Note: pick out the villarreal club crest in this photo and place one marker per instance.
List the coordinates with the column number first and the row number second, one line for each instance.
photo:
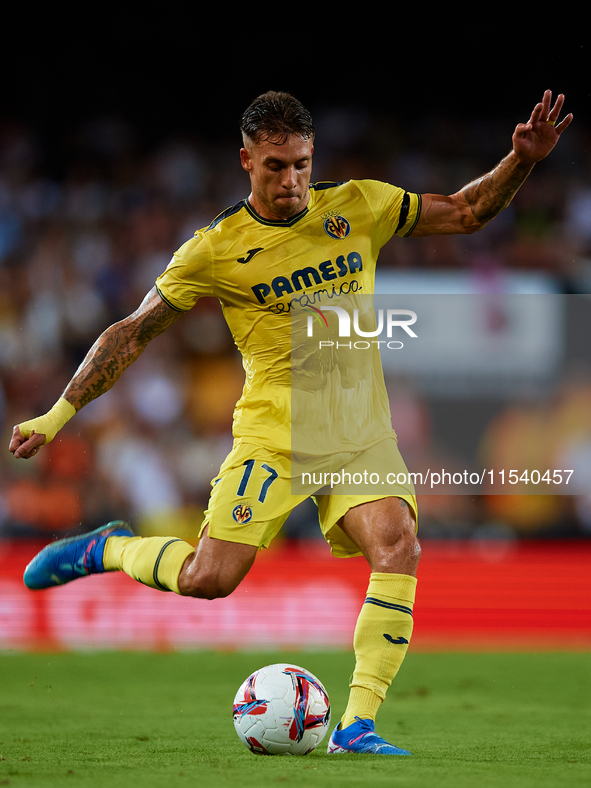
column 337, row 227
column 242, row 513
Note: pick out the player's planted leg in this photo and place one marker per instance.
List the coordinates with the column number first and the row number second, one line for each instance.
column 360, row 737
column 385, row 532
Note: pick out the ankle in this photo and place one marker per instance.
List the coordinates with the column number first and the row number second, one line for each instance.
column 362, row 703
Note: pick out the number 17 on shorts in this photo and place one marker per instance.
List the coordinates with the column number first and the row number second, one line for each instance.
column 251, row 498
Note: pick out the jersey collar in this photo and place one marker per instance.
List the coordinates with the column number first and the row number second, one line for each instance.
column 278, row 222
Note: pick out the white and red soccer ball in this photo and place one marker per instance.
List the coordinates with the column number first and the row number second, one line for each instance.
column 281, row 709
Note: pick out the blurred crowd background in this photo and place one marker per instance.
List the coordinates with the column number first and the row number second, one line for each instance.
column 91, row 216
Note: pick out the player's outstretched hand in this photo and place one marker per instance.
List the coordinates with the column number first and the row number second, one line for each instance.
column 533, row 141
column 28, row 436
column 25, row 448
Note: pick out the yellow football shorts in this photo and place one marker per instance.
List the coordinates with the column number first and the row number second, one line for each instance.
column 252, row 495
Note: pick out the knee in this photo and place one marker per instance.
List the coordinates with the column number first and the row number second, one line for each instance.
column 401, row 556
column 215, row 569
column 409, row 548
column 206, row 585
column 412, row 549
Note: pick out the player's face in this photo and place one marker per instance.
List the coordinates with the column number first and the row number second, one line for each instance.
column 279, row 176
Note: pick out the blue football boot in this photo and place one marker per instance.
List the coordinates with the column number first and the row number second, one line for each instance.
column 68, row 559
column 361, row 737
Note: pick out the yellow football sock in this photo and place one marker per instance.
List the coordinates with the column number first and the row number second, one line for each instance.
column 155, row 561
column 381, row 639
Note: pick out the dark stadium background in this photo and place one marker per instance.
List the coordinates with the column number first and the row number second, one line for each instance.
column 117, row 141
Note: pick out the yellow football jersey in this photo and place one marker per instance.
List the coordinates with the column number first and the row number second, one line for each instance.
column 263, row 270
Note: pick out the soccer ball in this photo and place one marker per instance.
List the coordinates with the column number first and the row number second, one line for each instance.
column 281, row 709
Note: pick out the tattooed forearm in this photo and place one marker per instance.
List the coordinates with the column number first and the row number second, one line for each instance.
column 492, row 193
column 118, row 347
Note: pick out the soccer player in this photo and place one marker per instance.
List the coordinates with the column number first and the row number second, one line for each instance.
column 288, row 237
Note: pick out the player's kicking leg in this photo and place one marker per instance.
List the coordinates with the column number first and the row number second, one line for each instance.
column 217, row 566
column 384, row 531
column 67, row 559
column 212, row 570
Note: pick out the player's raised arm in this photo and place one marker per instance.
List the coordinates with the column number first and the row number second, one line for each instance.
column 476, row 204
column 116, row 348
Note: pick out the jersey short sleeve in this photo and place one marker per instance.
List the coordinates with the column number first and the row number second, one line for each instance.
column 188, row 277
column 395, row 211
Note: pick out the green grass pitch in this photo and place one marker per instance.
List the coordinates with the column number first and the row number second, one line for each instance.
column 143, row 719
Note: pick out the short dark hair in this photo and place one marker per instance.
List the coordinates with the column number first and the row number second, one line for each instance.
column 275, row 116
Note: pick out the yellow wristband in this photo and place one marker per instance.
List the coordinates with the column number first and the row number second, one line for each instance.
column 51, row 423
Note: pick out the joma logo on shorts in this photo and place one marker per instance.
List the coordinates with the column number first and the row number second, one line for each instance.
column 309, row 276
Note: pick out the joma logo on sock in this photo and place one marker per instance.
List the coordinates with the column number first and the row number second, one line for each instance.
column 397, row 641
